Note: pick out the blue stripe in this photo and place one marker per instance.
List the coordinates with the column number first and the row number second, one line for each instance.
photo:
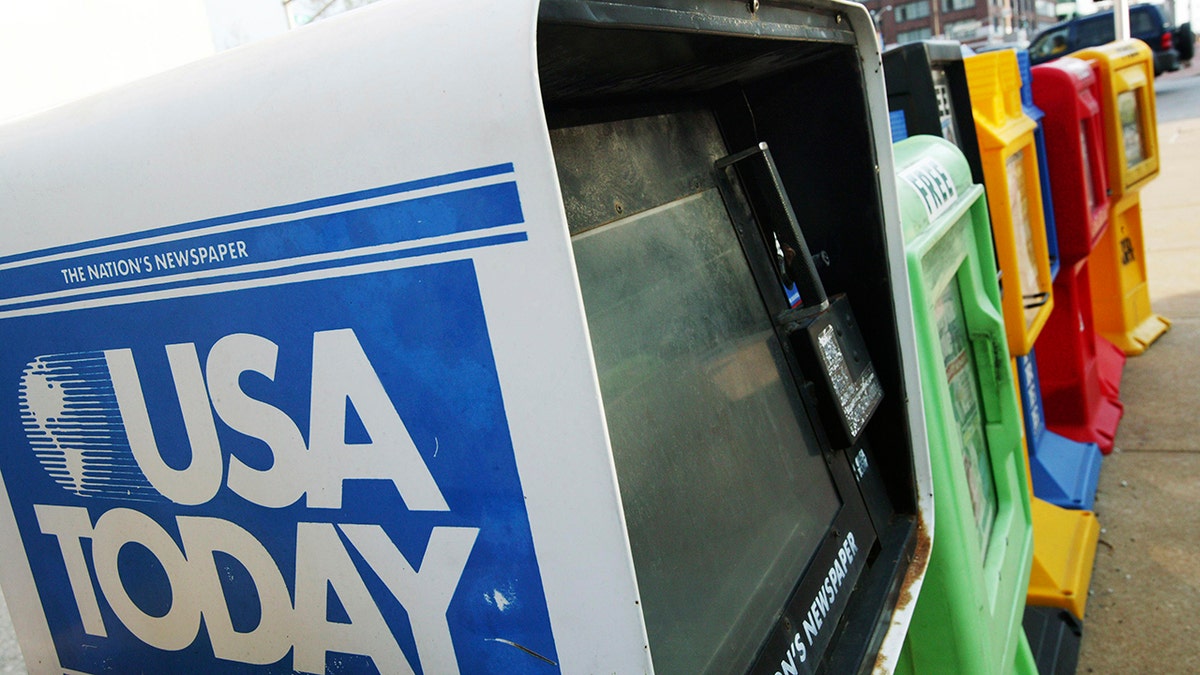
column 482, row 242
column 460, row 211
column 898, row 124
column 409, row 186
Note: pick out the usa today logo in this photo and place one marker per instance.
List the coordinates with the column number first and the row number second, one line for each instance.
column 86, row 419
column 87, row 422
column 73, row 423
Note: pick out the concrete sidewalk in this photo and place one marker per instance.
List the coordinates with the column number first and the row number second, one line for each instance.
column 1144, row 604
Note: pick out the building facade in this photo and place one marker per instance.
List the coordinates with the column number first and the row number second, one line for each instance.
column 975, row 23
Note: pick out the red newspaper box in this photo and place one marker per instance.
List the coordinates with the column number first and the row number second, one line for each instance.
column 1080, row 370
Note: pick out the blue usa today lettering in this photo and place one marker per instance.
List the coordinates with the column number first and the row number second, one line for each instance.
column 314, row 471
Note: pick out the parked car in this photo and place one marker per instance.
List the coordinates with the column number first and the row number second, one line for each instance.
column 1146, row 23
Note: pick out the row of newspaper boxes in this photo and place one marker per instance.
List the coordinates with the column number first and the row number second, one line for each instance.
column 1058, row 268
column 575, row 336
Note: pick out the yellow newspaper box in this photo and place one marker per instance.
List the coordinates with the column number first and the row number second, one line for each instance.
column 1120, row 292
column 1008, row 150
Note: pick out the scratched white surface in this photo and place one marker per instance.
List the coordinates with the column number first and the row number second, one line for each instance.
column 11, row 662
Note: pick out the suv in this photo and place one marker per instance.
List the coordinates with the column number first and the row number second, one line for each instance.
column 1146, row 23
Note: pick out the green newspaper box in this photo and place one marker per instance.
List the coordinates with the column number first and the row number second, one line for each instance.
column 968, row 617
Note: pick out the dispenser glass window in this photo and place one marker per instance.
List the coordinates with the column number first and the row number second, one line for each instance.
column 1130, row 114
column 966, row 399
column 1027, row 259
column 726, row 493
column 1089, row 187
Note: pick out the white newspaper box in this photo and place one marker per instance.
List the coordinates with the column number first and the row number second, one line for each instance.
column 473, row 337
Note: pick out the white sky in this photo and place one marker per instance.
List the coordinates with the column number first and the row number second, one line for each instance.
column 56, row 51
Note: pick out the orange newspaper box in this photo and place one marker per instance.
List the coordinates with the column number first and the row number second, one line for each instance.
column 1120, row 291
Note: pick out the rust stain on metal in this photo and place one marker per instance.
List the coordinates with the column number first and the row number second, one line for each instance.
column 916, row 567
column 916, row 564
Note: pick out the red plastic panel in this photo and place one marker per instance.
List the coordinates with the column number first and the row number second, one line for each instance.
column 1068, row 92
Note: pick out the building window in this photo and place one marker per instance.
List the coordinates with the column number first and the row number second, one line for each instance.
column 914, row 35
column 956, row 5
column 964, row 31
column 912, row 11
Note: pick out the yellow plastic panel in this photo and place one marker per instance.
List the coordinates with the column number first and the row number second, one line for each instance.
column 1010, row 170
column 1064, row 550
column 1120, row 290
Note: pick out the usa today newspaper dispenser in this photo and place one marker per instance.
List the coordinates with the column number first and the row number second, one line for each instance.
column 484, row 339
column 968, row 618
column 1011, row 176
column 1120, row 286
column 1080, row 371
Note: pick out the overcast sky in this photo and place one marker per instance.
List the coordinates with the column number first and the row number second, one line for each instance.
column 56, row 51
